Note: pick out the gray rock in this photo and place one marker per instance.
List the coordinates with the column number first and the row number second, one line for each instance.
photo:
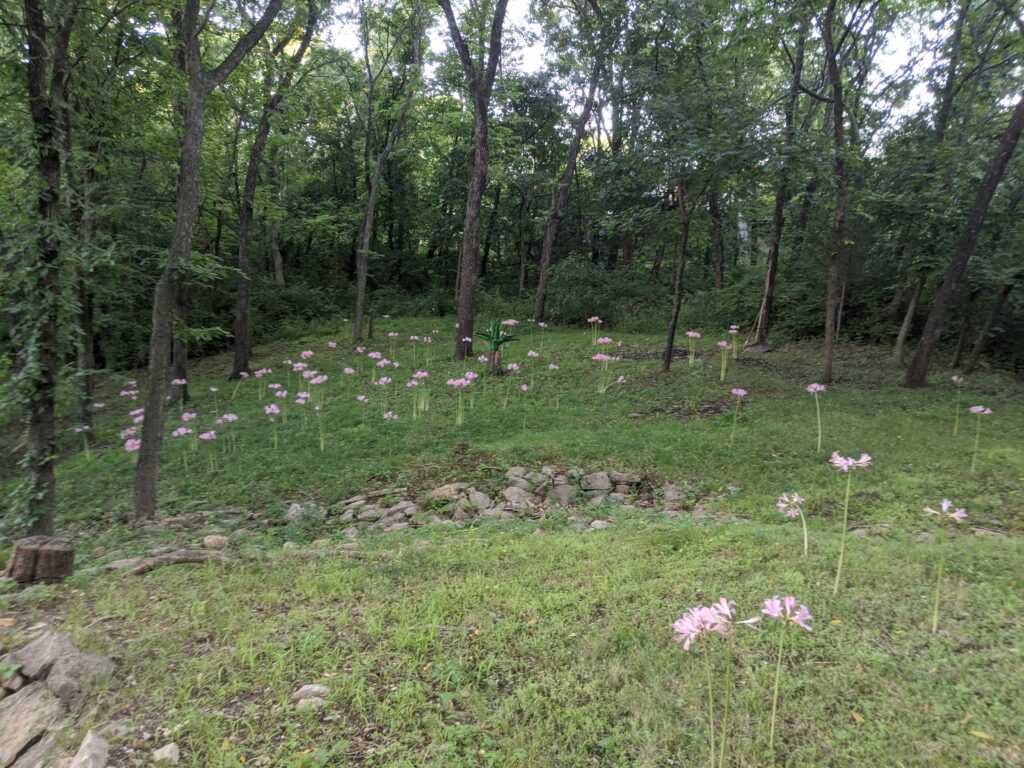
column 347, row 516
column 435, row 520
column 536, row 477
column 309, row 691
column 67, row 670
column 505, row 516
column 92, row 753
column 560, row 480
column 313, row 702
column 371, row 513
column 351, row 533
column 45, row 753
column 122, row 564
column 515, row 472
column 216, row 541
column 37, row 658
column 493, row 511
column 574, row 473
column 623, row 488
column 297, row 513
column 169, row 754
column 411, row 511
column 562, row 495
column 618, row 497
column 624, row 478
column 448, row 492
column 396, row 526
column 593, row 501
column 519, row 498
column 290, row 545
column 401, row 507
column 671, row 493
column 478, row 499
column 596, row 481
column 14, row 682
column 600, row 524
column 24, row 717
column 549, row 471
column 521, row 482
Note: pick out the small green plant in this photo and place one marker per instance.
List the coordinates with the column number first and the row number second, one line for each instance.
column 496, row 337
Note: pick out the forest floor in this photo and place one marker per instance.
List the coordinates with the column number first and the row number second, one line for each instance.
column 489, row 644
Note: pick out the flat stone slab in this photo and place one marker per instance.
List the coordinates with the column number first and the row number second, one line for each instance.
column 24, row 717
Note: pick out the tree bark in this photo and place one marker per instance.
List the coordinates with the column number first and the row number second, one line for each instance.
column 717, row 239
column 986, row 331
column 201, row 82
column 918, row 371
column 275, row 95
column 481, row 84
column 908, row 319
column 488, row 238
column 560, row 194
column 764, row 315
column 686, row 213
column 373, row 182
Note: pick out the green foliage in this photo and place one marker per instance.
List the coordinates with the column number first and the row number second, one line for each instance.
column 579, row 289
column 495, row 336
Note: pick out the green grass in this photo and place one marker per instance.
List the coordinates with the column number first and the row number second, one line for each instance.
column 494, row 646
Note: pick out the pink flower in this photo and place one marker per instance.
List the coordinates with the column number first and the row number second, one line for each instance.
column 601, row 357
column 82, row 428
column 374, row 355
column 390, row 416
column 414, row 338
column 306, row 354
column 421, row 375
column 542, row 325
column 813, row 389
column 332, row 344
column 349, row 371
column 458, row 383
column 959, row 514
column 595, row 320
column 845, row 464
column 392, row 335
column 981, row 410
column 281, row 393
column 470, row 375
column 360, row 350
column 230, row 417
column 787, row 609
column 958, row 380
column 524, row 387
column 181, row 432
column 211, row 435
column 428, row 340
column 789, row 505
column 467, row 339
column 605, row 340
column 532, row 353
column 136, row 411
column 734, row 329
column 396, row 364
column 139, row 419
column 179, row 382
column 510, row 322
column 552, row 367
column 383, row 363
column 132, row 445
column 724, row 345
column 188, row 416
column 620, row 380
column 99, row 406
column 128, row 432
column 412, row 383
column 362, row 398
column 383, row 381
column 693, row 334
column 739, row 392
column 318, row 379
column 303, row 395
column 273, row 386
column 512, row 368
column 243, row 375
column 271, row 410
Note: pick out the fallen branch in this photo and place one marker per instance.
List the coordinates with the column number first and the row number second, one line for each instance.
column 179, row 557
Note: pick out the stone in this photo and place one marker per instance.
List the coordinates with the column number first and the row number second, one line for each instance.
column 624, row 478
column 24, row 717
column 574, row 473
column 458, row 515
column 671, row 493
column 92, row 753
column 549, row 470
column 122, row 563
column 67, row 670
column 313, row 702
column 371, row 513
column 309, row 691
column 617, row 497
column 435, row 520
column 291, row 545
column 622, row 488
column 670, row 512
column 396, row 526
column 40, row 558
column 520, row 498
column 562, row 495
column 38, row 657
column 215, row 541
column 521, row 482
column 45, row 753
column 600, row 524
column 347, row 516
column 478, row 499
column 595, row 500
column 493, row 512
column 536, row 477
column 596, row 481
column 169, row 754
column 560, row 480
column 411, row 511
column 515, row 472
column 351, row 533
column 401, row 507
column 384, row 522
column 506, row 516
column 448, row 492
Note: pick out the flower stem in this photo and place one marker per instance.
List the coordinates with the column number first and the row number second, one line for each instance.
column 735, row 418
column 725, row 708
column 775, row 694
column 803, row 522
column 725, row 362
column 711, row 709
column 938, row 591
column 817, row 408
column 956, row 417
column 977, row 442
column 842, row 540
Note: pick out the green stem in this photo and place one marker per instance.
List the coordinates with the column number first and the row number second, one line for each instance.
column 817, row 408
column 711, row 709
column 725, row 362
column 842, row 540
column 735, row 418
column 956, row 417
column 803, row 522
column 775, row 694
column 725, row 708
column 977, row 442
column 938, row 590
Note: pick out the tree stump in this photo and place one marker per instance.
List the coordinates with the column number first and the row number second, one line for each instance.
column 41, row 558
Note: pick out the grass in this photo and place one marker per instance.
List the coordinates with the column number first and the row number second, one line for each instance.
column 495, row 646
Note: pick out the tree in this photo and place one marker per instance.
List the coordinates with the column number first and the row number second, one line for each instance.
column 480, row 81
column 201, row 82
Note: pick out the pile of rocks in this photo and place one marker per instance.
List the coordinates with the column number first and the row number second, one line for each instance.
column 41, row 683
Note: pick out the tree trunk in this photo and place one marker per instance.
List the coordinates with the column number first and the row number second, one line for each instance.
column 490, row 230
column 274, row 225
column 986, row 331
column 918, row 372
column 717, row 239
column 965, row 329
column 686, row 212
column 839, row 221
column 560, row 194
column 521, row 241
column 908, row 320
column 764, row 315
column 200, row 83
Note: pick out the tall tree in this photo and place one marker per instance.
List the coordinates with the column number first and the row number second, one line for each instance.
column 480, row 82
column 201, row 82
column 276, row 85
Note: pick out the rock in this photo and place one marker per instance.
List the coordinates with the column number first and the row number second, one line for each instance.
column 459, row 515
column 45, row 753
column 396, row 526
column 595, row 500
column 67, row 670
column 624, row 478
column 313, row 702
column 290, row 545
column 515, row 472
column 448, row 492
column 92, row 753
column 371, row 513
column 574, row 473
column 320, row 543
column 40, row 558
column 309, row 691
column 411, row 511
column 351, row 533
column 549, row 471
column 401, row 507
column 384, row 522
column 347, row 516
column 24, row 717
column 215, row 541
column 617, row 497
column 671, row 493
column 506, row 516
column 599, row 524
column 122, row 563
column 435, row 520
column 560, row 480
column 478, row 499
column 562, row 495
column 520, row 498
column 295, row 513
column 596, row 481
column 169, row 754
column 670, row 512
column 536, row 477
column 493, row 511
column 521, row 482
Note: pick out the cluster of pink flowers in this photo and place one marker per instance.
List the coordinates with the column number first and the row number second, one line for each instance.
column 552, row 367
column 595, row 320
column 181, row 432
column 510, row 322
column 459, row 383
column 383, row 381
column 813, row 389
column 789, row 611
column 533, row 353
column 208, row 435
column 739, row 392
column 131, row 390
column 179, row 382
column 734, row 329
column 958, row 380
column 959, row 514
column 306, row 354
column 980, row 410
column 724, row 345
column 421, row 375
column 262, row 372
column 846, row 463
column 132, row 445
column 128, row 432
column 702, row 619
column 271, row 410
column 693, row 334
column 390, row 416
column 512, row 368
column 789, row 504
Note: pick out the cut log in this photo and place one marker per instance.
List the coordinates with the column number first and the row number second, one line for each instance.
column 41, row 558
column 178, row 557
